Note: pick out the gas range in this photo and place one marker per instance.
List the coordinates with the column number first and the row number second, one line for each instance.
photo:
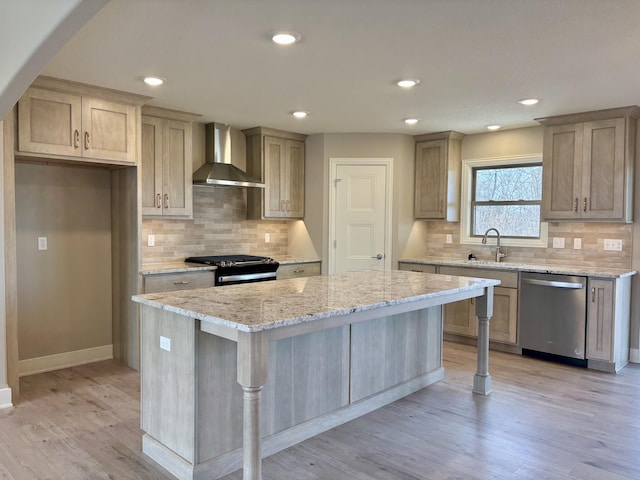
column 233, row 269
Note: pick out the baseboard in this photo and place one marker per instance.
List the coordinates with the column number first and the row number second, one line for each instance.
column 634, row 355
column 32, row 366
column 5, row 398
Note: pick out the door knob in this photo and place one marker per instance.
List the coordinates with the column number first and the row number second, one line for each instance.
column 378, row 256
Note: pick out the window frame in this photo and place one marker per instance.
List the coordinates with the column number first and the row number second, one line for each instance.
column 466, row 204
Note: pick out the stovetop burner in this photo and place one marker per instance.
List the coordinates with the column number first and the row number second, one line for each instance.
column 231, row 260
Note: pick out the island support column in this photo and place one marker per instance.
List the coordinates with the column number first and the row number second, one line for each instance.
column 253, row 362
column 484, row 311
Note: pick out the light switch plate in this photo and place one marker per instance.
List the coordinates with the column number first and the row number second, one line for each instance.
column 449, row 238
column 613, row 244
column 558, row 242
column 165, row 343
column 42, row 243
column 151, row 240
column 267, row 238
column 577, row 244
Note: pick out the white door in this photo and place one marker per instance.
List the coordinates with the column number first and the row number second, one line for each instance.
column 361, row 216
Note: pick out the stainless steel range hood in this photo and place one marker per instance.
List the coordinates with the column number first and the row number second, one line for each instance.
column 218, row 169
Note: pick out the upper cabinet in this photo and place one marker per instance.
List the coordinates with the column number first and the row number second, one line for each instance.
column 277, row 158
column 69, row 121
column 588, row 161
column 437, row 176
column 166, row 162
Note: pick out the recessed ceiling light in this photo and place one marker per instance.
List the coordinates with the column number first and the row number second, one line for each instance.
column 411, row 121
column 408, row 83
column 300, row 114
column 285, row 38
column 493, row 127
column 528, row 101
column 154, row 81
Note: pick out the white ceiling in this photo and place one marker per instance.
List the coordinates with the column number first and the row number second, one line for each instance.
column 475, row 58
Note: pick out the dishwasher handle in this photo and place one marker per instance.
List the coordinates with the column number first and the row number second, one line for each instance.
column 552, row 283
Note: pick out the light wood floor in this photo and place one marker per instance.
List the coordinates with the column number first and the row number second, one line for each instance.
column 542, row 421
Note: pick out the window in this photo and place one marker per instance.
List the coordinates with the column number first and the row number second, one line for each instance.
column 503, row 193
column 507, row 198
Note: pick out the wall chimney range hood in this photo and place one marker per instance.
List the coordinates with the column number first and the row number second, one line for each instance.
column 218, row 169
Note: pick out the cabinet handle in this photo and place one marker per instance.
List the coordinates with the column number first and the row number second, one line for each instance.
column 441, row 205
column 419, row 271
column 593, row 294
column 158, row 201
column 584, row 204
column 473, row 301
column 183, row 282
column 76, row 139
column 299, row 271
column 86, row 140
column 166, row 200
column 287, row 204
column 282, row 208
column 575, row 205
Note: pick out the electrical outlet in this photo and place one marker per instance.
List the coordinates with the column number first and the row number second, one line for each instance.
column 165, row 343
column 267, row 238
column 558, row 242
column 577, row 243
column 449, row 238
column 151, row 241
column 613, row 244
column 42, row 243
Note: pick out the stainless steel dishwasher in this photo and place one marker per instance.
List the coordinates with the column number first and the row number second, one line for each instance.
column 553, row 317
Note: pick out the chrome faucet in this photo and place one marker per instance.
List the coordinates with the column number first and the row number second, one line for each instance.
column 499, row 254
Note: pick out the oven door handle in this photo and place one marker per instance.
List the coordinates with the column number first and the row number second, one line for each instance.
column 549, row 283
column 246, row 276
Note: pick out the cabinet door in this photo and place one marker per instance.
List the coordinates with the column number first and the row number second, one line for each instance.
column 562, row 172
column 600, row 320
column 603, row 169
column 275, row 177
column 108, row 130
column 459, row 318
column 503, row 324
column 294, row 201
column 49, row 122
column 176, row 168
column 151, row 165
column 431, row 179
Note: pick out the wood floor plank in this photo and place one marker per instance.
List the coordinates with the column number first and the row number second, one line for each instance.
column 542, row 421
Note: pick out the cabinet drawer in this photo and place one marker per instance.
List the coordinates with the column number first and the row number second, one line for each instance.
column 416, row 267
column 294, row 270
column 167, row 282
column 507, row 279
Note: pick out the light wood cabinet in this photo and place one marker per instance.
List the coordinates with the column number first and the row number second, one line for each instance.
column 588, row 162
column 166, row 163
column 276, row 158
column 70, row 125
column 437, row 176
column 416, row 267
column 460, row 317
column 608, row 317
column 168, row 282
column 297, row 270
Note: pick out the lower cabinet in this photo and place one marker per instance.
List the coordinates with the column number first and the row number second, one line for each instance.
column 608, row 314
column 168, row 282
column 294, row 270
column 460, row 317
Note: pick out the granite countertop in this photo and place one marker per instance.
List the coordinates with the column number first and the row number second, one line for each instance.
column 267, row 305
column 601, row 272
column 181, row 267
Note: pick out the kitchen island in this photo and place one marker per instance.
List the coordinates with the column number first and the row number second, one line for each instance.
column 324, row 349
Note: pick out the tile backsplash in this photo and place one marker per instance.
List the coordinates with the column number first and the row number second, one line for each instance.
column 591, row 254
column 219, row 226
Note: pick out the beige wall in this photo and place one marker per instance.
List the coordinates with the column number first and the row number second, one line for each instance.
column 320, row 148
column 64, row 293
column 3, row 316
